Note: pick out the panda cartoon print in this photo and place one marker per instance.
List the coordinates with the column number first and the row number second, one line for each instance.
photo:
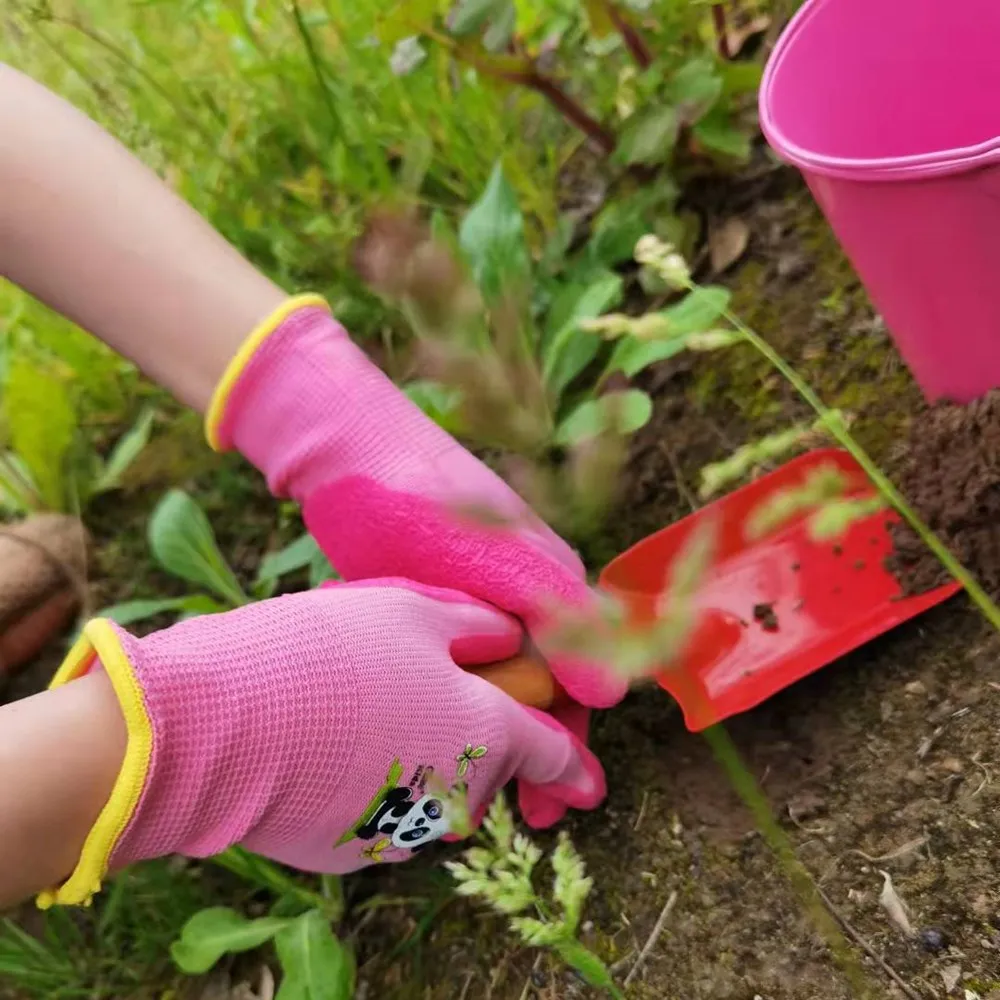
column 406, row 818
column 407, row 822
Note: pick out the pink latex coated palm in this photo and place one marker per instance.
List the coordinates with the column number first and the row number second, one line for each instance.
column 384, row 490
column 327, row 730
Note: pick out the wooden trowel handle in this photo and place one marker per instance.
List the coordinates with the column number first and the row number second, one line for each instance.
column 525, row 677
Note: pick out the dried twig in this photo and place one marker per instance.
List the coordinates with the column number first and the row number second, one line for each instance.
column 527, row 982
column 642, row 810
column 867, row 947
column 661, row 922
column 908, row 848
column 682, row 486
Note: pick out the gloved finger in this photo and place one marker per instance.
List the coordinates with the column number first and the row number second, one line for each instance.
column 474, row 632
column 539, row 807
column 586, row 681
column 552, row 758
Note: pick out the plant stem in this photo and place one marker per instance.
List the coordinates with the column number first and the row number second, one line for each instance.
column 317, row 67
column 881, row 481
column 728, row 756
column 571, row 110
column 634, row 41
column 721, row 30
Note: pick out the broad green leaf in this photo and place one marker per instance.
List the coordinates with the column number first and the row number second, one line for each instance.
column 631, row 356
column 717, row 133
column 697, row 312
column 622, row 221
column 294, row 556
column 440, row 402
column 694, row 89
column 623, row 412
column 41, row 426
column 569, row 349
column 578, row 301
column 315, row 964
column 139, row 610
column 320, row 570
column 740, row 76
column 599, row 18
column 492, row 237
column 219, row 931
column 590, row 967
column 471, row 15
column 183, row 542
column 124, row 453
column 648, row 137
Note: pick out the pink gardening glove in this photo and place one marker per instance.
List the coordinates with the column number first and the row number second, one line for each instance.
column 324, row 730
column 380, row 483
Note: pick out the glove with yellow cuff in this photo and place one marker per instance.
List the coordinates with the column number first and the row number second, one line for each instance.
column 327, row 730
column 380, row 485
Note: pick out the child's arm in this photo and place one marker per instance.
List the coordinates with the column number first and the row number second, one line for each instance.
column 89, row 230
column 60, row 753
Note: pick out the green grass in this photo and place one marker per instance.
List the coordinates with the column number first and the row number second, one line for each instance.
column 119, row 948
column 283, row 127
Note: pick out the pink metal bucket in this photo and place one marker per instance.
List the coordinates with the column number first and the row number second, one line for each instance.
column 891, row 110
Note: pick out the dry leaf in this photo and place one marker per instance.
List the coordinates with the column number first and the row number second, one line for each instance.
column 727, row 243
column 894, row 906
column 950, row 975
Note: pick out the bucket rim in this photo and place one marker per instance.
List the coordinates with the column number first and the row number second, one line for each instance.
column 914, row 166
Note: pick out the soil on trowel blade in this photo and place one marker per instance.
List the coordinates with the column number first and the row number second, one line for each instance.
column 951, row 476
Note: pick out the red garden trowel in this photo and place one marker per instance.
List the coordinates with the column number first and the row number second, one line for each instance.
column 770, row 612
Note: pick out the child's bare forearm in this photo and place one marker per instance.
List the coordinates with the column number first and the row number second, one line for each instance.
column 60, row 753
column 94, row 234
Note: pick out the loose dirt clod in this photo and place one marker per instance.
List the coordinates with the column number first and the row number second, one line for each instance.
column 765, row 614
column 42, row 567
column 951, row 476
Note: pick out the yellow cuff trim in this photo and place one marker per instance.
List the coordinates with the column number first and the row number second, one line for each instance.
column 235, row 368
column 100, row 640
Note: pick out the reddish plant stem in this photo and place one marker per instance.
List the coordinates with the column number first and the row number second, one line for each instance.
column 634, row 41
column 721, row 30
column 570, row 109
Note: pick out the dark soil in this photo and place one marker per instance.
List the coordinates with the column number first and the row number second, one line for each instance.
column 951, row 475
column 765, row 614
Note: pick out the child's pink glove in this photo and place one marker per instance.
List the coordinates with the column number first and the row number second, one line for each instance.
column 325, row 730
column 380, row 484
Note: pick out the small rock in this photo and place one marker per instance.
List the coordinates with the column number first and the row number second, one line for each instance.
column 806, row 805
column 916, row 688
column 539, row 979
column 915, row 776
column 792, row 265
column 934, row 941
column 952, row 765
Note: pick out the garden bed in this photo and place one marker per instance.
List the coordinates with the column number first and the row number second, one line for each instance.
column 884, row 760
column 881, row 761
